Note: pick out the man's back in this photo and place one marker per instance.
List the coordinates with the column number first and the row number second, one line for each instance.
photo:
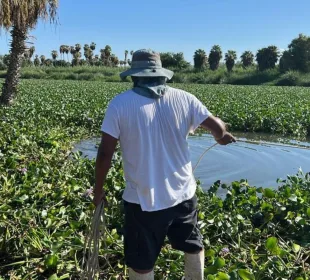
column 153, row 138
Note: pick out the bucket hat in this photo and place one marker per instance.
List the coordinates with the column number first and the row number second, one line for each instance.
column 146, row 63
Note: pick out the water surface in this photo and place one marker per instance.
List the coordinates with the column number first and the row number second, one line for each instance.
column 259, row 158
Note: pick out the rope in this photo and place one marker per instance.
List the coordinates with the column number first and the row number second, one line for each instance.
column 203, row 154
column 273, row 144
column 90, row 264
column 251, row 142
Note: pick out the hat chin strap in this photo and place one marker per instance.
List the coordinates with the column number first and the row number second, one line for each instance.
column 138, row 276
column 194, row 266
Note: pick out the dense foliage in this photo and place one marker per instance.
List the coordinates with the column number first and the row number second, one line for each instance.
column 230, row 60
column 297, row 57
column 45, row 201
column 200, row 59
column 247, row 59
column 267, row 58
column 173, row 60
column 215, row 57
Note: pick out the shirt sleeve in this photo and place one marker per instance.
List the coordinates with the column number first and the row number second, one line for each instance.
column 111, row 122
column 199, row 113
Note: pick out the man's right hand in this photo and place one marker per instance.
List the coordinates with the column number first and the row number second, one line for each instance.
column 227, row 139
column 218, row 130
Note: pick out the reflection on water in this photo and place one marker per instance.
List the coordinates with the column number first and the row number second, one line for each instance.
column 254, row 158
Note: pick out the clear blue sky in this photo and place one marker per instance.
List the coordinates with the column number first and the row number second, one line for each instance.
column 172, row 25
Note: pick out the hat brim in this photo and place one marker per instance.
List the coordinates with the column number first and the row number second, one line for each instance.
column 143, row 72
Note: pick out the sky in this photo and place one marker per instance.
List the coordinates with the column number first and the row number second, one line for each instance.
column 172, row 25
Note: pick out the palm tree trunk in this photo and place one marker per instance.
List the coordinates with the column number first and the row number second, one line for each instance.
column 9, row 88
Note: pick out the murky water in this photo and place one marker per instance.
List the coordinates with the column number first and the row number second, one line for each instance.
column 259, row 158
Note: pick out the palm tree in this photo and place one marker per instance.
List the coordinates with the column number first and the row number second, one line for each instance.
column 126, row 55
column 200, row 59
column 36, row 61
column 131, row 53
column 72, row 51
column 107, row 51
column 86, row 51
column 31, row 52
column 78, row 47
column 54, row 55
column 42, row 58
column 19, row 17
column 66, row 51
column 267, row 57
column 247, row 59
column 76, row 58
column 62, row 51
column 230, row 59
column 92, row 46
column 215, row 57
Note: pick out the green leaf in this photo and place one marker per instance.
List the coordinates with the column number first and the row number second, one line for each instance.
column 219, row 262
column 44, row 213
column 239, row 217
column 24, row 197
column 296, row 248
column 62, row 210
column 269, row 193
column 53, row 277
column 211, row 269
column 271, row 243
column 308, row 212
column 210, row 253
column 245, row 274
column 293, row 197
column 51, row 261
column 266, row 206
column 222, row 276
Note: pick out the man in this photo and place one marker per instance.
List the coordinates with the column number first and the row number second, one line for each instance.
column 152, row 122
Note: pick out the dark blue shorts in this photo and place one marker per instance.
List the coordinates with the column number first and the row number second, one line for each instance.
column 145, row 232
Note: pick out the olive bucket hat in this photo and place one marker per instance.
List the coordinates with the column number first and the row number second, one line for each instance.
column 147, row 63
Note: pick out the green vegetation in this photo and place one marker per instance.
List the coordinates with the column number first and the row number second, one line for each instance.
column 239, row 75
column 45, row 201
column 215, row 57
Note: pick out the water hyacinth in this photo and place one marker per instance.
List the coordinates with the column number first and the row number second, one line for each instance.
column 23, row 170
column 224, row 251
column 277, row 247
column 88, row 192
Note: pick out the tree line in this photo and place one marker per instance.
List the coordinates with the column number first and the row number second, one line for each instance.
column 296, row 57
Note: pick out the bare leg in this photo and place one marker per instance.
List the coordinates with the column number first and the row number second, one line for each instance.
column 141, row 274
column 194, row 266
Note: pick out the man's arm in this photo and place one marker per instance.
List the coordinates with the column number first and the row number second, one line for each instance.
column 103, row 164
column 218, row 130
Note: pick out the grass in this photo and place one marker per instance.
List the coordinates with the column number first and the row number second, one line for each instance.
column 45, row 202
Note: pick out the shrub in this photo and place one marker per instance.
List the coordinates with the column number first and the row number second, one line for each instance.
column 291, row 78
